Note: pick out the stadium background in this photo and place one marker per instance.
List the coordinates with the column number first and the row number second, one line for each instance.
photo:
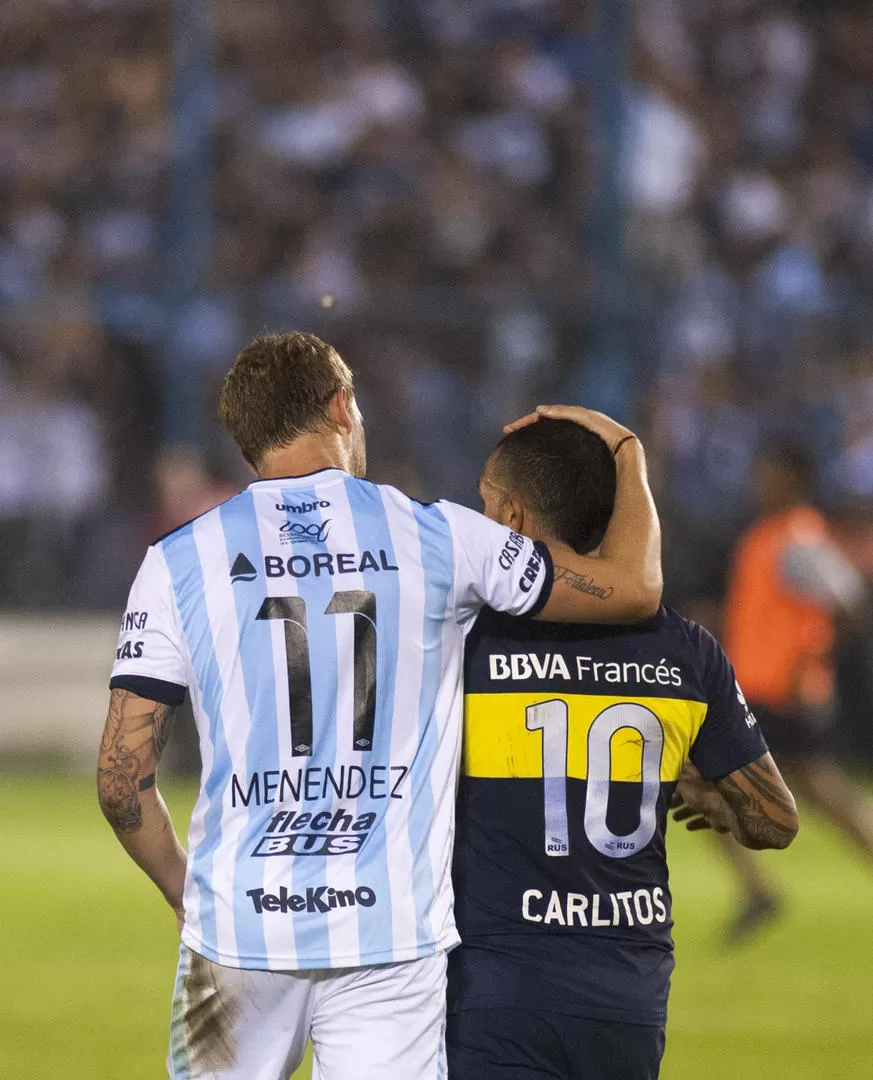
column 664, row 210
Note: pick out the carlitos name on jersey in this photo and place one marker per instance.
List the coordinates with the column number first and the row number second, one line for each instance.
column 522, row 666
column 318, row 900
column 640, row 907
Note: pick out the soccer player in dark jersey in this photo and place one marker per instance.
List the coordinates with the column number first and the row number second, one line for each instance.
column 575, row 740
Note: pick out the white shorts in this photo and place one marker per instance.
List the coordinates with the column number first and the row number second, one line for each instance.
column 371, row 1023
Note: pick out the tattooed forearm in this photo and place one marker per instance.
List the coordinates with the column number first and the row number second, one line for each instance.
column 582, row 584
column 763, row 806
column 117, row 789
column 164, row 715
column 113, row 720
column 134, row 739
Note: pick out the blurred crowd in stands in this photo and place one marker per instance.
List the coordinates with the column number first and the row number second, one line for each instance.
column 431, row 165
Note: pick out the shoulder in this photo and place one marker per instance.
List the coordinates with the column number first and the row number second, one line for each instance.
column 696, row 637
column 806, row 525
column 390, row 494
column 441, row 517
column 186, row 528
column 705, row 653
column 496, row 626
column 463, row 519
column 800, row 524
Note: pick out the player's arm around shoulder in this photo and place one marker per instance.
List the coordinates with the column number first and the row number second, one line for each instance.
column 623, row 583
column 134, row 739
column 753, row 803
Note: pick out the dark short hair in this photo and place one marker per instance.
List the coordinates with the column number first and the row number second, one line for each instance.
column 278, row 388
column 565, row 474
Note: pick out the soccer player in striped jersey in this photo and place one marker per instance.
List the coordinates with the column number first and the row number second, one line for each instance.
column 575, row 738
column 318, row 622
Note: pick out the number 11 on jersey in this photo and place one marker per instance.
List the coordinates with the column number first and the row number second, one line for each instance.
column 551, row 717
column 292, row 610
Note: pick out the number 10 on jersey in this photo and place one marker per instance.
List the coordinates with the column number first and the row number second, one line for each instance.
column 552, row 719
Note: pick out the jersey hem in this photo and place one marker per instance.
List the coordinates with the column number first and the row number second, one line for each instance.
column 740, row 762
column 145, row 686
column 356, row 960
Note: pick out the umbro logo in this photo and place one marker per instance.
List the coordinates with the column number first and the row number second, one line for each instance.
column 242, row 569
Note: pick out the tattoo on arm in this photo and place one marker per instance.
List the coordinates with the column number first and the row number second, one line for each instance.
column 134, row 740
column 762, row 804
column 164, row 715
column 113, row 720
column 582, row 584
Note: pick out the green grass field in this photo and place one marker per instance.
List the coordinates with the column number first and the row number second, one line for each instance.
column 88, row 954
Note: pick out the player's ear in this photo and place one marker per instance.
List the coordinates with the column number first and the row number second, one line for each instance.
column 339, row 410
column 513, row 514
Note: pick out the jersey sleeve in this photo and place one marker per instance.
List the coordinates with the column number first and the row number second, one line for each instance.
column 149, row 659
column 729, row 737
column 495, row 566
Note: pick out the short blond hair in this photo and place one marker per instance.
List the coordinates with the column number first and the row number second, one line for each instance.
column 278, row 388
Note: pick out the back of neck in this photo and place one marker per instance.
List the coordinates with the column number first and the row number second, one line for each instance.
column 307, row 454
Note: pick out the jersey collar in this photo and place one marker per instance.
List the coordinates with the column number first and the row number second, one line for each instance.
column 330, row 474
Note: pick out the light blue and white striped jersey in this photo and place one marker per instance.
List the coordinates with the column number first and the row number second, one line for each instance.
column 318, row 623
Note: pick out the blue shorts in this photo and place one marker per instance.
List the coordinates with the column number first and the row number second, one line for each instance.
column 523, row 1044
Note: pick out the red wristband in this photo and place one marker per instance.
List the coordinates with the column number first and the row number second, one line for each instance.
column 621, row 443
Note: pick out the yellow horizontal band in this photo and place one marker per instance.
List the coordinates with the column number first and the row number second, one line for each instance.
column 497, row 742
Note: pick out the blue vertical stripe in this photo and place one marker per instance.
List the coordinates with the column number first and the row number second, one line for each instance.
column 186, row 574
column 313, row 938
column 437, row 561
column 240, row 525
column 373, row 534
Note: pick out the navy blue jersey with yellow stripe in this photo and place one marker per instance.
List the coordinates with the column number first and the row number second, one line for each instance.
column 574, row 739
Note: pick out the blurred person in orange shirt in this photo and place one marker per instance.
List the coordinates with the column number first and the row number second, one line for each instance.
column 788, row 589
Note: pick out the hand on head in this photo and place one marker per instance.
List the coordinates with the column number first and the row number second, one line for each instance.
column 612, row 433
